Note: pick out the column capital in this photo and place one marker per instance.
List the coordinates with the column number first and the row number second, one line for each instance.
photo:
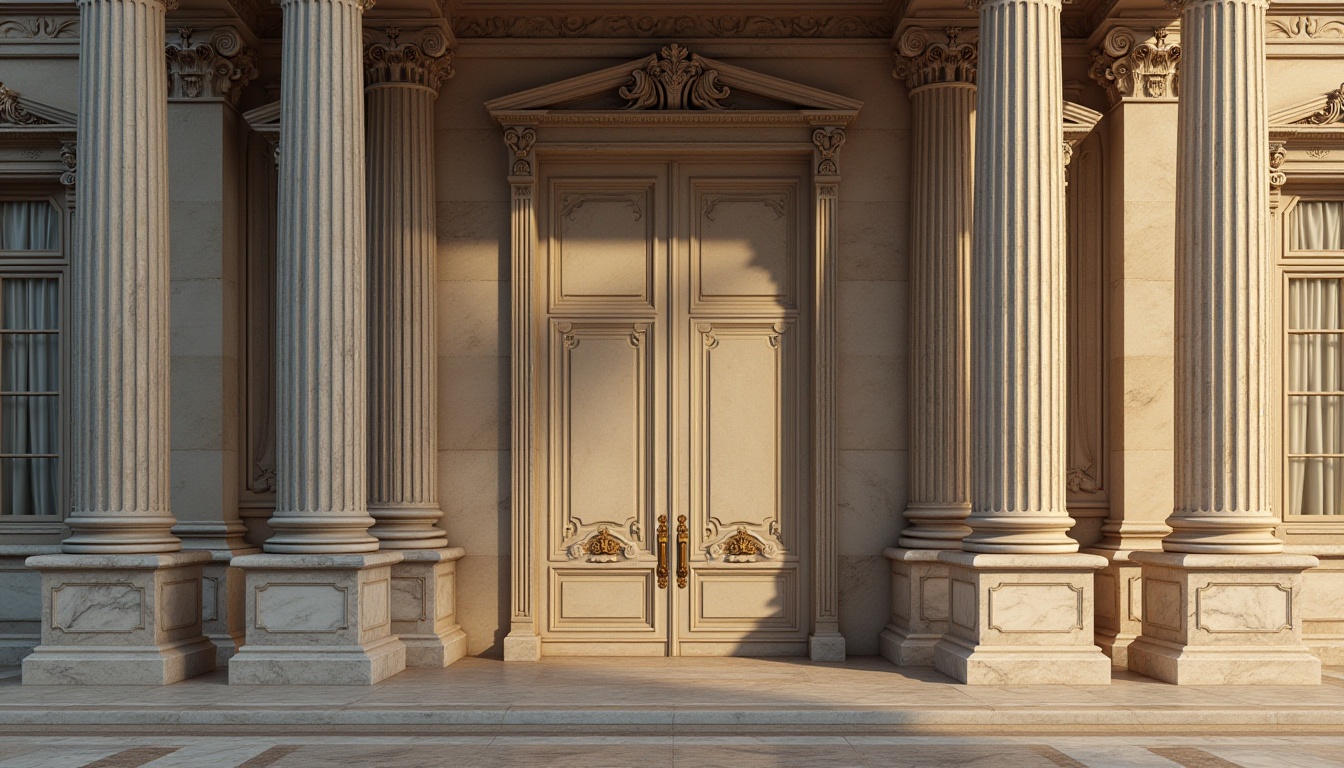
column 409, row 57
column 1137, row 64
column 935, row 56
column 209, row 64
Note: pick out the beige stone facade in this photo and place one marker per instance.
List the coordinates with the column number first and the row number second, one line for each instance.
column 340, row 337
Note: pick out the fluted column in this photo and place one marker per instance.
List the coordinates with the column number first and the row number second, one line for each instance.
column 321, row 370
column 1222, row 253
column 941, row 77
column 119, row 286
column 1018, row 279
column 1020, row 594
column 1222, row 602
column 402, row 82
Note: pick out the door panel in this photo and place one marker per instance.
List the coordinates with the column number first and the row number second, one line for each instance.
column 675, row 387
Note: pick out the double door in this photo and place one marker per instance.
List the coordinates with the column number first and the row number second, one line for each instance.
column 674, row 383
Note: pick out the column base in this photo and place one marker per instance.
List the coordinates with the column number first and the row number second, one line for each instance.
column 318, row 620
column 826, row 647
column 1021, row 620
column 1223, row 620
column 918, row 607
column 424, row 606
column 120, row 620
column 522, row 645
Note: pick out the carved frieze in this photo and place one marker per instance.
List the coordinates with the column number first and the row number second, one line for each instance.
column 419, row 58
column 41, row 28
column 674, row 79
column 1311, row 29
column 1129, row 65
column 216, row 66
column 927, row 57
column 12, row 111
column 699, row 26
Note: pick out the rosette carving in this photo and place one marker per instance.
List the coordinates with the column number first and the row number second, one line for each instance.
column 1130, row 67
column 215, row 68
column 674, row 79
column 927, row 57
column 426, row 60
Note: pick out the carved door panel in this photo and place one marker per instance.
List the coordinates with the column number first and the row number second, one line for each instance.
column 674, row 390
column 743, row 240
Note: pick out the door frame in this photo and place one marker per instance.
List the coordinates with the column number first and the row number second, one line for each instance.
column 536, row 126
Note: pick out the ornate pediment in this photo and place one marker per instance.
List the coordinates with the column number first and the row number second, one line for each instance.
column 673, row 81
column 18, row 112
column 1078, row 121
column 1322, row 110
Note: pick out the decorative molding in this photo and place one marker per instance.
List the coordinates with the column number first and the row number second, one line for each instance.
column 629, row 26
column 828, row 141
column 1277, row 154
column 743, row 546
column 1329, row 113
column 13, row 112
column 40, row 29
column 215, row 69
column 603, row 547
column 1305, row 29
column 922, row 59
column 1130, row 66
column 426, row 59
column 70, row 158
column 674, row 79
column 520, row 142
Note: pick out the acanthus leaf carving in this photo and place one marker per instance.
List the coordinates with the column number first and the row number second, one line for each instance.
column 828, row 141
column 923, row 59
column 742, row 547
column 43, row 28
column 1130, row 67
column 603, row 547
column 426, row 60
column 70, row 159
column 12, row 111
column 520, row 141
column 215, row 69
column 1278, row 152
column 674, row 79
column 1305, row 28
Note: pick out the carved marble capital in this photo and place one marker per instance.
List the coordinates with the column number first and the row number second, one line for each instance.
column 412, row 57
column 1129, row 65
column 212, row 64
column 928, row 57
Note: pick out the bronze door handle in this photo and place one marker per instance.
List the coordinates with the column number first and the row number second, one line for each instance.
column 683, row 552
column 662, row 551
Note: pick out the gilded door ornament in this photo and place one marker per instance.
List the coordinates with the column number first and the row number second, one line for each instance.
column 675, row 79
column 742, row 547
column 603, row 547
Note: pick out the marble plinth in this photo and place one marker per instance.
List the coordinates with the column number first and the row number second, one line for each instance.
column 222, row 601
column 918, row 607
column 424, row 606
column 21, row 608
column 1223, row 620
column 318, row 620
column 1323, row 605
column 522, row 645
column 1119, row 599
column 826, row 647
column 1021, row 620
column 120, row 620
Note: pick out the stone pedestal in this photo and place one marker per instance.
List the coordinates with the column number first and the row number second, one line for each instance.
column 318, row 620
column 1119, row 598
column 918, row 607
column 1223, row 620
column 222, row 600
column 1021, row 620
column 21, row 606
column 424, row 606
column 120, row 620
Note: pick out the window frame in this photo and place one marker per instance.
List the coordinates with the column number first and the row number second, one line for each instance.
column 16, row 264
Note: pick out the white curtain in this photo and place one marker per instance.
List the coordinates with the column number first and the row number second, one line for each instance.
column 1315, row 426
column 29, row 362
column 29, row 225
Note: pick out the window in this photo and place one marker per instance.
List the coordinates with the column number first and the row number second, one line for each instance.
column 1314, row 431
column 31, row 267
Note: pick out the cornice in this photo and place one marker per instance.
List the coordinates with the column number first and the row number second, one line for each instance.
column 538, row 25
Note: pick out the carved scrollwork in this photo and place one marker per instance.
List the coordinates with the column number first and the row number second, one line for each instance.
column 777, row 205
column 637, row 335
column 923, row 59
column 70, row 159
column 1277, row 154
column 707, row 335
column 426, row 61
column 828, row 141
column 520, row 142
column 12, row 111
column 603, row 547
column 1130, row 67
column 40, row 28
column 1313, row 28
column 742, row 547
column 217, row 68
column 674, row 79
column 571, row 341
column 1330, row 113
column 570, row 204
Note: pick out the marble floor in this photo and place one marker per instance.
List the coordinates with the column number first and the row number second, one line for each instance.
column 671, row 698
column 328, row 750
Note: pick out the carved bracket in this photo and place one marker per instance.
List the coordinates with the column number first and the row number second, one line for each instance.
column 520, row 142
column 1129, row 66
column 70, row 158
column 828, row 142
